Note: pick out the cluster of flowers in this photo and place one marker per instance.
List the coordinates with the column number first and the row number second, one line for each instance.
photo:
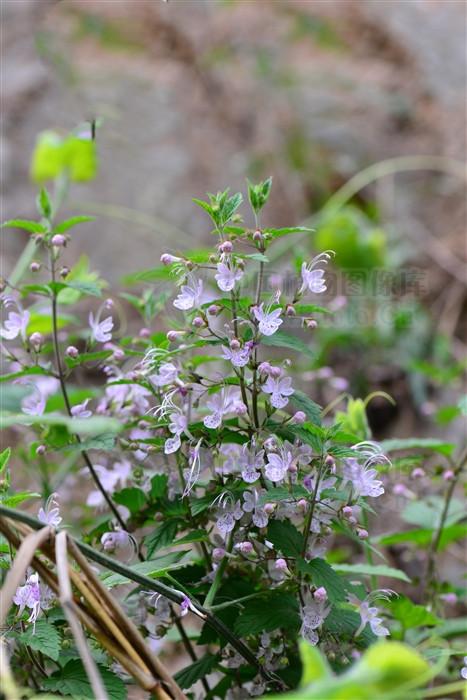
column 230, row 432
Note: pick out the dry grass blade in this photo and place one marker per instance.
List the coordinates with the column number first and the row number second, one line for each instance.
column 67, row 603
column 16, row 574
column 94, row 608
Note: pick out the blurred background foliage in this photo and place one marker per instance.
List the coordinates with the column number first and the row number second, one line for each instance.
column 355, row 108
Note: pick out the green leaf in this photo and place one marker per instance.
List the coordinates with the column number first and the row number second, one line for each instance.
column 132, row 498
column 280, row 232
column 189, row 675
column 159, row 486
column 24, row 373
column 323, row 574
column 88, row 357
column 284, row 340
column 430, row 444
column 153, row 568
column 372, row 570
column 88, row 288
column 427, row 513
column 17, row 498
column 4, row 458
column 411, row 615
column 84, row 426
column 162, row 536
column 285, row 538
column 72, row 680
column 315, row 665
column 423, row 536
column 195, row 536
column 66, row 225
column 104, row 442
column 44, row 205
column 26, row 225
column 277, row 610
column 303, row 403
column 282, row 493
column 44, row 638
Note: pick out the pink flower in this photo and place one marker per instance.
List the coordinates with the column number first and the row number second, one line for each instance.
column 227, row 276
column 17, row 321
column 101, row 330
column 368, row 615
column 269, row 321
column 279, row 389
column 190, row 295
column 80, row 410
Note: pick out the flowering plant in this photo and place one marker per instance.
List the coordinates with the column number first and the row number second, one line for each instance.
column 213, row 476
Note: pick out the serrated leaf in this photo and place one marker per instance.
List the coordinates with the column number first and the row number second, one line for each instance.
column 285, row 537
column 277, row 610
column 66, row 225
column 303, row 403
column 44, row 638
column 162, row 536
column 88, row 288
column 26, row 225
column 159, row 486
column 280, row 232
column 372, row 570
column 189, row 675
column 411, row 615
column 323, row 574
column 291, row 342
column 72, row 680
column 132, row 498
column 153, row 568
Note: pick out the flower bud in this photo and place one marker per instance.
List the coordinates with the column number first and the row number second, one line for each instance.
column 298, row 418
column 198, row 322
column 64, row 272
column 234, row 344
column 213, row 310
column 218, row 553
column 347, row 511
column 244, row 547
column 320, row 594
column 290, row 310
column 449, row 598
column 35, row 266
column 269, row 508
column 264, row 368
column 241, row 409
column 417, row 473
column 352, row 520
column 58, row 240
column 448, row 475
column 226, row 247
column 258, row 236
column 329, row 461
column 118, row 354
column 167, row 259
column 174, row 335
column 144, row 333
column 72, row 352
column 108, row 304
column 302, row 504
column 310, row 323
column 280, row 565
column 41, row 450
column 362, row 533
column 275, row 372
column 37, row 340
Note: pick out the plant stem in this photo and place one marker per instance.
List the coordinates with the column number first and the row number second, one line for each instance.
column 218, row 576
column 61, row 378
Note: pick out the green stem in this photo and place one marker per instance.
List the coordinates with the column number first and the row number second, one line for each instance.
column 218, row 576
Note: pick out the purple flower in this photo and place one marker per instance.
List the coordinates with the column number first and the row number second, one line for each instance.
column 313, row 614
column 239, row 357
column 50, row 515
column 227, row 276
column 362, row 478
column 16, row 323
column 190, row 295
column 279, row 388
column 269, row 321
column 278, row 464
column 250, row 505
column 368, row 615
column 167, row 374
column 80, row 410
column 178, row 424
column 224, row 401
column 32, row 596
column 312, row 280
column 230, row 512
column 250, row 462
column 101, row 330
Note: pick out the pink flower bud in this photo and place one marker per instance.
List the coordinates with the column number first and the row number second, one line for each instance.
column 290, row 310
column 167, row 259
column 218, row 553
column 72, row 352
column 448, row 475
column 292, row 468
column 198, row 322
column 258, row 236
column 302, row 504
column 264, row 368
column 320, row 594
column 118, row 354
column 280, row 565
column 298, row 418
column 234, row 344
column 347, row 511
column 269, row 508
column 58, row 240
column 241, row 409
column 310, row 323
column 417, row 473
column 174, row 335
column 449, row 598
column 64, row 272
column 213, row 310
column 35, row 266
column 244, row 547
column 362, row 533
column 329, row 461
column 352, row 520
column 37, row 340
column 270, row 443
column 275, row 372
column 144, row 333
column 108, row 304
column 226, row 247
column 41, row 450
